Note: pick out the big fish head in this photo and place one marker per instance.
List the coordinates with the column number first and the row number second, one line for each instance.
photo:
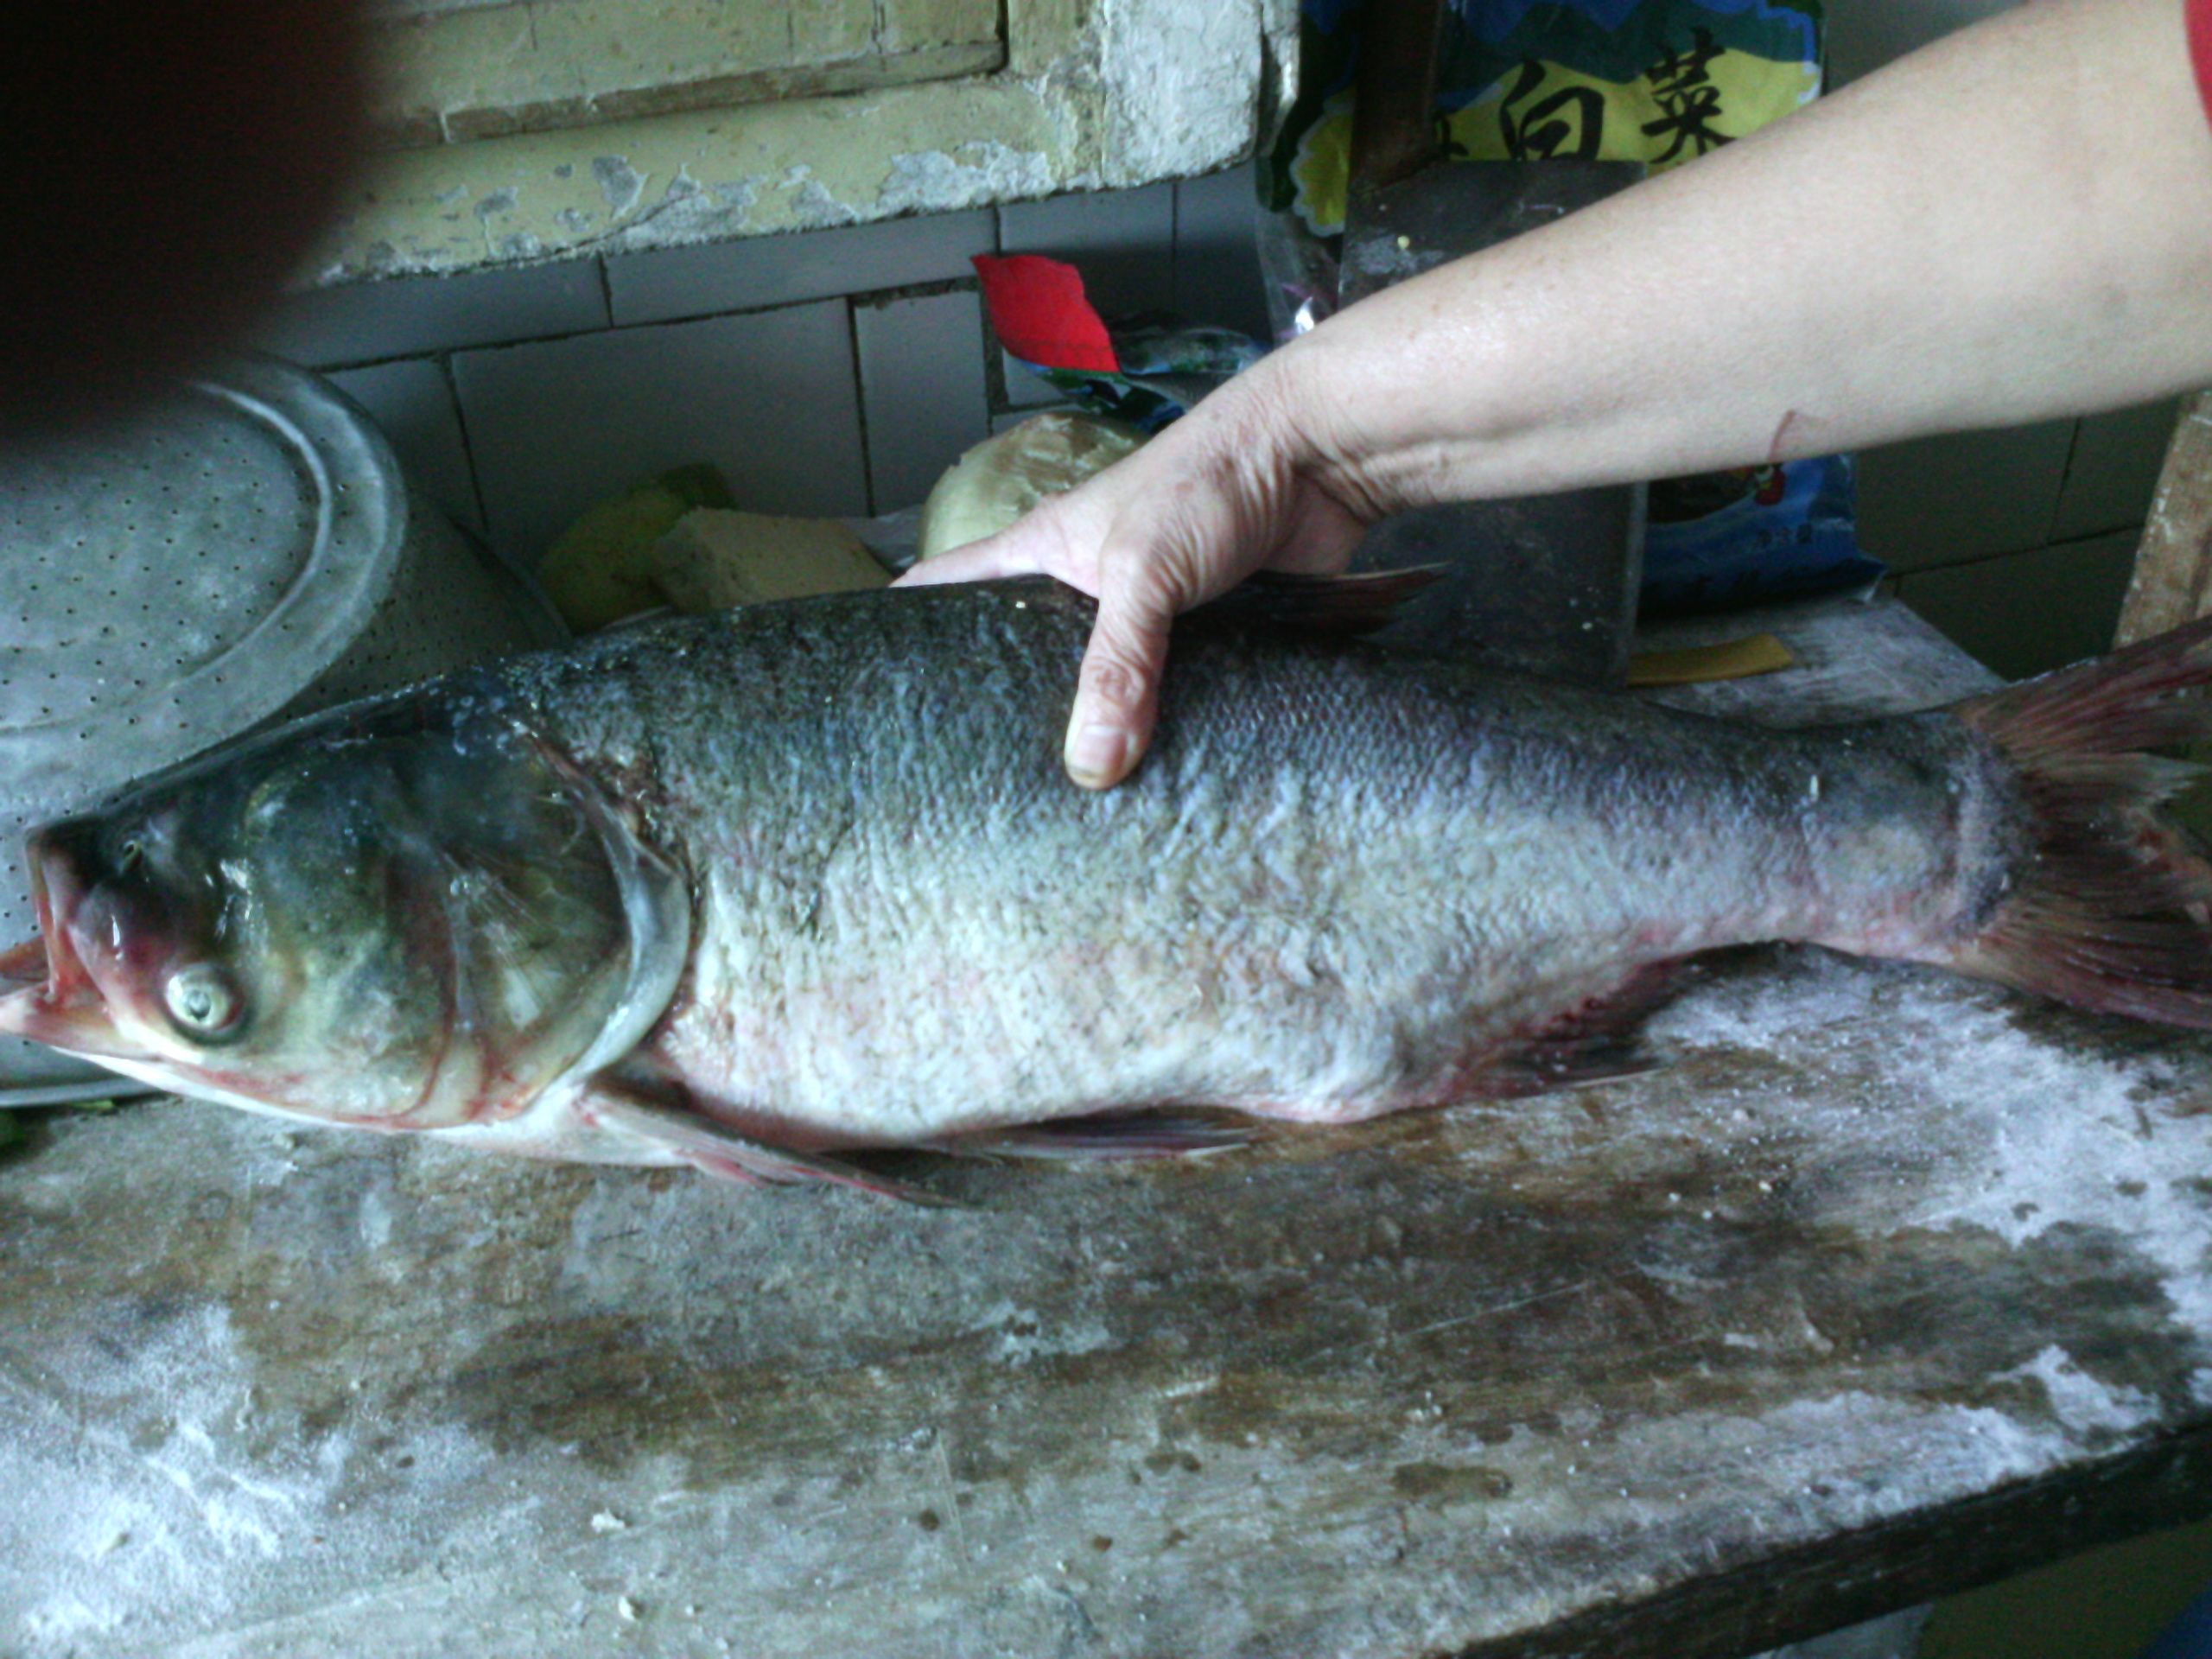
column 415, row 917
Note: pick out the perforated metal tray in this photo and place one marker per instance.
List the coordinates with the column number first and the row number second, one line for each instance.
column 243, row 549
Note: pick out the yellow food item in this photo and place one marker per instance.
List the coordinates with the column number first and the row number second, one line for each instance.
column 598, row 571
column 1732, row 659
column 1002, row 478
column 713, row 559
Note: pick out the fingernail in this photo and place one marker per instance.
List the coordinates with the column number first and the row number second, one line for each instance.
column 1096, row 754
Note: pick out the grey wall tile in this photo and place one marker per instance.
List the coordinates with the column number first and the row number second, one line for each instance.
column 768, row 271
column 1967, row 495
column 412, row 405
column 768, row 397
column 2114, row 469
column 406, row 316
column 921, row 390
column 1122, row 241
column 1217, row 256
column 2024, row 613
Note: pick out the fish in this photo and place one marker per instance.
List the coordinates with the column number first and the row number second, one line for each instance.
column 749, row 891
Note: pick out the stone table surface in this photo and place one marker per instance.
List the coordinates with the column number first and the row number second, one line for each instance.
column 1888, row 1282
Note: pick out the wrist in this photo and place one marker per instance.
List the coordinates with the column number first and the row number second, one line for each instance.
column 1327, row 402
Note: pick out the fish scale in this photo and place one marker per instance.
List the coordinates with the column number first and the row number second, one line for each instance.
column 809, row 876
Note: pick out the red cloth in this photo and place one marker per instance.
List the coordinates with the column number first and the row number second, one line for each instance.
column 2198, row 14
column 1040, row 312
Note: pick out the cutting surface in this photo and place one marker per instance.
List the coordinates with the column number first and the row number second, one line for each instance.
column 1890, row 1281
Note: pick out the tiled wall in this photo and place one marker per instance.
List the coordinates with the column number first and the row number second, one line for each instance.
column 2017, row 543
column 839, row 371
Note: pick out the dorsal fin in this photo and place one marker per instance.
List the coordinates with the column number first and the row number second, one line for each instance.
column 1314, row 608
column 1322, row 608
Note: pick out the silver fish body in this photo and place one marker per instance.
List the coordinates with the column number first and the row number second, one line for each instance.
column 1339, row 885
column 818, row 879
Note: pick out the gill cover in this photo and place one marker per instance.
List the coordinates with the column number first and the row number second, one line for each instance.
column 413, row 914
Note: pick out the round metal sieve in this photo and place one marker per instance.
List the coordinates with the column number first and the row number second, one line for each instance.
column 245, row 548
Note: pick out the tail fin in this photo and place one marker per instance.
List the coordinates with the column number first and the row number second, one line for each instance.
column 2111, row 908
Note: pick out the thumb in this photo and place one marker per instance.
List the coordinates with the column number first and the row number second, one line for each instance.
column 1117, row 697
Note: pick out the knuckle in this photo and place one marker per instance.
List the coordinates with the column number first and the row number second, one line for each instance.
column 1113, row 683
column 1146, row 583
column 1133, row 559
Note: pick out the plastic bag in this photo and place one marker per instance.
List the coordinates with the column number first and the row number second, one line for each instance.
column 1147, row 370
column 1657, row 81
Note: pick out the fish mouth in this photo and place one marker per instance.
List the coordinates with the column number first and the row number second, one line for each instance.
column 48, row 994
column 77, row 1022
column 25, row 965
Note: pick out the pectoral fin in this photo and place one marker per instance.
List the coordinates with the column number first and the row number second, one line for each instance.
column 726, row 1152
column 1106, row 1137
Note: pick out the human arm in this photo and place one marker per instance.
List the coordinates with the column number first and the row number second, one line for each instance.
column 2014, row 223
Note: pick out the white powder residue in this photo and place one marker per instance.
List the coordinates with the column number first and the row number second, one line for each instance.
column 1024, row 1336
column 160, row 1485
column 2077, row 1140
column 1838, row 1450
column 2029, row 1135
column 1827, row 1463
column 2005, row 1130
column 2079, row 1400
column 142, row 1455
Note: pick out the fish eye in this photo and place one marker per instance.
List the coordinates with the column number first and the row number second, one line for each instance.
column 127, row 855
column 203, row 1002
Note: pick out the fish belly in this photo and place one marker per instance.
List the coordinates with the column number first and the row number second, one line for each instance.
column 1323, row 972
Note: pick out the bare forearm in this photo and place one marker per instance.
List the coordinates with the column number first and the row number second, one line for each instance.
column 2014, row 223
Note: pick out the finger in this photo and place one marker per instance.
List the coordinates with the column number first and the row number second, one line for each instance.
column 996, row 556
column 1117, row 697
column 1060, row 536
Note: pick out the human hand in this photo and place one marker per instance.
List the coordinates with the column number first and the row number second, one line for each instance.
column 1238, row 485
column 1701, row 320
